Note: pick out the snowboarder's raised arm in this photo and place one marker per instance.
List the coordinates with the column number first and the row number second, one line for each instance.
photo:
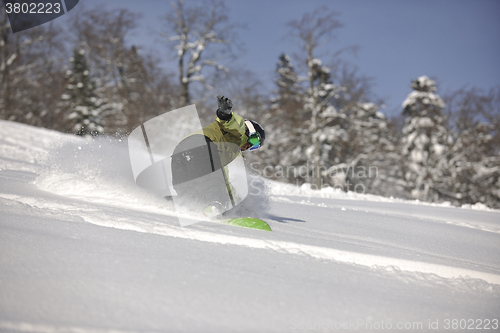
column 230, row 122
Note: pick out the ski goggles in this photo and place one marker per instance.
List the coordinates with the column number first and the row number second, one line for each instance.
column 253, row 136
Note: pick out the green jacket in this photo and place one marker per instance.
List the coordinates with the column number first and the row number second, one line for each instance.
column 228, row 136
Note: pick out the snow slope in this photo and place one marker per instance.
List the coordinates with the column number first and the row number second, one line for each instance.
column 83, row 249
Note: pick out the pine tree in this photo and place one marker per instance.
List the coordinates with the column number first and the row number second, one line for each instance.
column 104, row 35
column 302, row 123
column 326, row 125
column 284, row 119
column 474, row 170
column 323, row 123
column 81, row 100
column 474, row 162
column 287, row 81
column 309, row 139
column 373, row 152
column 425, row 140
column 310, row 135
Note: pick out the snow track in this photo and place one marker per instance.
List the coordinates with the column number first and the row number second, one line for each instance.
column 136, row 223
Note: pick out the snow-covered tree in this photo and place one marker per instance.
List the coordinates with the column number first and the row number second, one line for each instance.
column 288, row 83
column 301, row 123
column 31, row 73
column 372, row 152
column 203, row 35
column 474, row 171
column 33, row 64
column 103, row 34
column 491, row 112
column 474, row 162
column 81, row 101
column 312, row 117
column 327, row 125
column 322, row 122
column 285, row 117
column 425, row 140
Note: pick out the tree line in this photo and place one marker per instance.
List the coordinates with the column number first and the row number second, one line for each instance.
column 324, row 124
column 84, row 77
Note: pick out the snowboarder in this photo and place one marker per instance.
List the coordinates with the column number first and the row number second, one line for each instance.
column 199, row 172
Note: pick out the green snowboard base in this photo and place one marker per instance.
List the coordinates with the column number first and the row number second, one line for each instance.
column 248, row 222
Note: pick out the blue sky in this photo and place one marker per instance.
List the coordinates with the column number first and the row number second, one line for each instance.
column 456, row 42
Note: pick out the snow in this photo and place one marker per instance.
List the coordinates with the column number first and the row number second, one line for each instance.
column 83, row 249
column 426, row 97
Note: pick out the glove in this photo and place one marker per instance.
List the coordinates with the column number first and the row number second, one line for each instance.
column 224, row 111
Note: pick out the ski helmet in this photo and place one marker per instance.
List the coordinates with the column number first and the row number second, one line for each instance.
column 255, row 133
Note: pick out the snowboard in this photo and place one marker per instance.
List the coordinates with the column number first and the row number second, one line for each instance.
column 247, row 222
